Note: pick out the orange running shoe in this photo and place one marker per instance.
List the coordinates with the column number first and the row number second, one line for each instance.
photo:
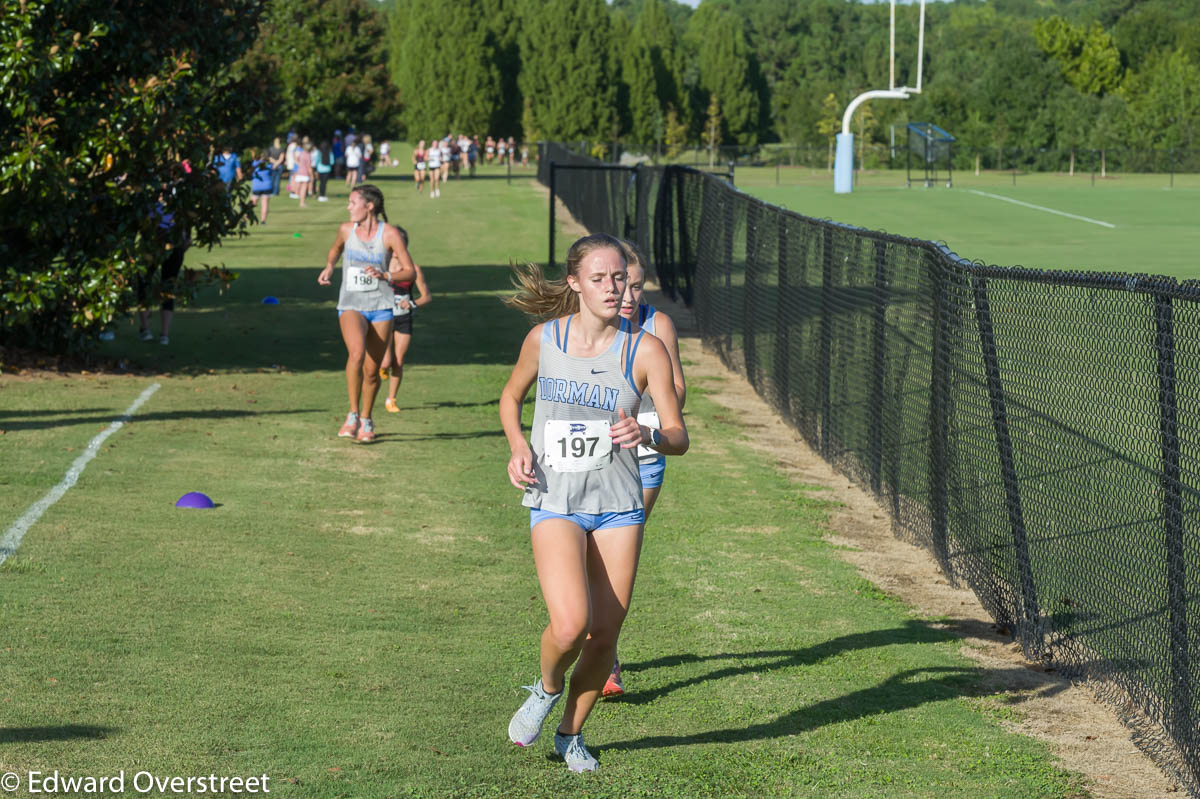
column 391, row 405
column 614, row 686
column 350, row 428
column 366, row 432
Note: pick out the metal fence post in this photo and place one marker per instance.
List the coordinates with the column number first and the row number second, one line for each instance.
column 824, row 383
column 878, row 366
column 1180, row 713
column 939, row 414
column 782, row 328
column 553, row 166
column 749, row 292
column 1031, row 628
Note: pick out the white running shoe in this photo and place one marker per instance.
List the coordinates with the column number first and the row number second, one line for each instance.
column 164, row 340
column 526, row 724
column 145, row 335
column 571, row 749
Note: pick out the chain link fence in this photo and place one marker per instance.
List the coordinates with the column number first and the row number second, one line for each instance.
column 1038, row 432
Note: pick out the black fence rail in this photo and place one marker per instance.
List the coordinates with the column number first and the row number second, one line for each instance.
column 1038, row 432
column 1065, row 160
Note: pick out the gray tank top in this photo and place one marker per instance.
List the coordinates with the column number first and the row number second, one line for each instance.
column 359, row 292
column 571, row 392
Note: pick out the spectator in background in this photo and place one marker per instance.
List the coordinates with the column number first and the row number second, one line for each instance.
column 368, row 159
column 290, row 161
column 275, row 157
column 304, row 170
column 228, row 166
column 339, row 155
column 323, row 160
column 262, row 182
column 354, row 156
column 175, row 241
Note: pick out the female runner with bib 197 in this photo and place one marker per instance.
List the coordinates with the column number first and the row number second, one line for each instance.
column 367, row 246
column 580, row 475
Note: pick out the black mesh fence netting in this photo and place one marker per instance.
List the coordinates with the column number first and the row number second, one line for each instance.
column 1037, row 431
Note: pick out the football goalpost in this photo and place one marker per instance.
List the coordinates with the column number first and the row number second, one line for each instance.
column 843, row 165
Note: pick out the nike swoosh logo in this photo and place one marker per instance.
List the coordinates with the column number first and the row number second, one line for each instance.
column 599, row 372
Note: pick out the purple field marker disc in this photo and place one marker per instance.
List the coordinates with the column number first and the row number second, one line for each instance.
column 194, row 499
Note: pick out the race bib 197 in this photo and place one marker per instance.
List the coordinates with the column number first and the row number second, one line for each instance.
column 650, row 419
column 576, row 446
column 358, row 280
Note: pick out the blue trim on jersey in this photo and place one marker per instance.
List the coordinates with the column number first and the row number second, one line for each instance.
column 652, row 471
column 629, row 361
column 591, row 522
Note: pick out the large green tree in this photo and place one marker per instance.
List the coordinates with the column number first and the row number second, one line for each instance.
column 447, row 71
column 101, row 105
column 718, row 40
column 568, row 70
column 646, row 118
column 324, row 65
column 1088, row 58
column 655, row 30
column 1163, row 101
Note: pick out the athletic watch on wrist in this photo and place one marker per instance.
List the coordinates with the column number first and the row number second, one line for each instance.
column 655, row 437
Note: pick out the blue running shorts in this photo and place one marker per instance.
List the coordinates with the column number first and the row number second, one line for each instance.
column 374, row 316
column 652, row 472
column 590, row 522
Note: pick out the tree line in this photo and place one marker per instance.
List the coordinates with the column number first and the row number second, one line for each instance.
column 658, row 75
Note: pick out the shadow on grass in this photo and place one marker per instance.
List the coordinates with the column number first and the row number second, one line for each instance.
column 913, row 632
column 406, row 438
column 66, row 732
column 452, row 404
column 904, row 690
column 465, row 324
column 16, row 422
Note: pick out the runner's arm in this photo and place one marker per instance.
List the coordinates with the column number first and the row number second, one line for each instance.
column 335, row 252
column 422, row 287
column 520, row 465
column 664, row 328
column 652, row 368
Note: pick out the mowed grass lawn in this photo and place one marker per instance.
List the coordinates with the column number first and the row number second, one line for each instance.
column 355, row 621
column 1155, row 230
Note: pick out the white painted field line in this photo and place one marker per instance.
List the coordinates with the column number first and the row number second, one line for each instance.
column 12, row 536
column 1042, row 208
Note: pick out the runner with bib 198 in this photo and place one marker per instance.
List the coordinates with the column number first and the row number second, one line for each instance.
column 579, row 472
column 367, row 245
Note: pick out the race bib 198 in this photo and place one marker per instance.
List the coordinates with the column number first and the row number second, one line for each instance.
column 358, row 280
column 576, row 446
column 650, row 419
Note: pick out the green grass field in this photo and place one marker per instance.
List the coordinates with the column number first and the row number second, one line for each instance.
column 1155, row 226
column 354, row 621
